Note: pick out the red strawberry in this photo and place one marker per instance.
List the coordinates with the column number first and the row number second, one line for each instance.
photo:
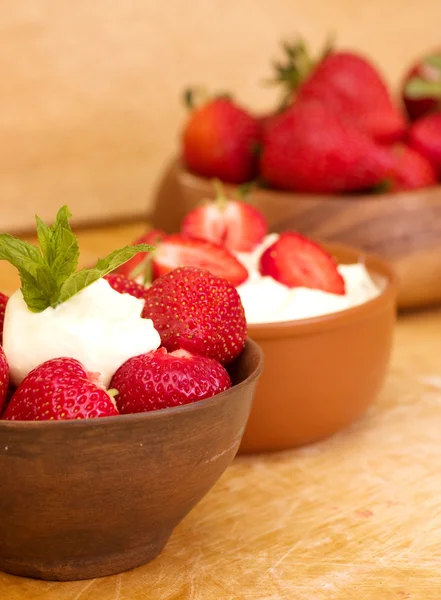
column 59, row 389
column 350, row 86
column 219, row 140
column 123, row 285
column 4, row 379
column 159, row 380
column 199, row 312
column 3, row 301
column 422, row 86
column 238, row 226
column 346, row 83
column 425, row 137
column 183, row 251
column 310, row 149
column 411, row 170
column 297, row 261
column 129, row 269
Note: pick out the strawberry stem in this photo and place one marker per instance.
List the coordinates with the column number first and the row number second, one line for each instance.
column 221, row 197
column 420, row 88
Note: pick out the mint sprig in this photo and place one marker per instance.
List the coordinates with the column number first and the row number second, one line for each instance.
column 47, row 273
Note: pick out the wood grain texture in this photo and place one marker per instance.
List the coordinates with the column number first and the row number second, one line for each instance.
column 353, row 518
column 90, row 100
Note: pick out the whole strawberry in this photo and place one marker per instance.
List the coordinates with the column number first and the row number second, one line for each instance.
column 4, row 379
column 160, row 380
column 411, row 170
column 59, row 389
column 199, row 312
column 346, row 83
column 133, row 267
column 310, row 149
column 3, row 301
column 422, row 86
column 425, row 137
column 124, row 285
column 234, row 224
column 219, row 140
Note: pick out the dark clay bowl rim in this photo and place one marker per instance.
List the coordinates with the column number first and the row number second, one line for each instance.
column 205, row 186
column 376, row 267
column 162, row 413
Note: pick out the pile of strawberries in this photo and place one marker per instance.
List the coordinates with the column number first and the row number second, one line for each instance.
column 338, row 129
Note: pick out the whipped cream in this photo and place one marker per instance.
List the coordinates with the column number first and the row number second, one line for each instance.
column 265, row 300
column 98, row 326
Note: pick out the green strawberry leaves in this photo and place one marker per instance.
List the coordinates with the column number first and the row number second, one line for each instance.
column 47, row 274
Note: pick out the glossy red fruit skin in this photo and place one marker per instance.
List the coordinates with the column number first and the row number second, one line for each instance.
column 160, row 380
column 411, row 170
column 237, row 226
column 199, row 312
column 152, row 237
column 124, row 285
column 180, row 250
column 3, row 301
column 59, row 389
column 220, row 140
column 4, row 380
column 417, row 108
column 425, row 137
column 351, row 87
column 297, row 261
column 309, row 149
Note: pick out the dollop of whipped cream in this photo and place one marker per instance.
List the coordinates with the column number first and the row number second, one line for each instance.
column 98, row 326
column 265, row 300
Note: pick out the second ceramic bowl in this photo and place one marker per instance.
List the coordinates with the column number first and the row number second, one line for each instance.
column 322, row 373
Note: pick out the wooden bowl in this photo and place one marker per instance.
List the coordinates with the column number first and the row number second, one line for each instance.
column 88, row 498
column 405, row 228
column 322, row 373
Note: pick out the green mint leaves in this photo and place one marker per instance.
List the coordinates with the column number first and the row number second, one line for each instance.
column 47, row 274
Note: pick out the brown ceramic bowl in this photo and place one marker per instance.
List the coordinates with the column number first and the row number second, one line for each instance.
column 84, row 499
column 322, row 373
column 405, row 228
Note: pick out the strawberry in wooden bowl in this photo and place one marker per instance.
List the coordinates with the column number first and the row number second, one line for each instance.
column 323, row 315
column 341, row 161
column 120, row 407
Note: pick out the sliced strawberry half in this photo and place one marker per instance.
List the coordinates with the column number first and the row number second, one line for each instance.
column 184, row 251
column 130, row 268
column 297, row 261
column 238, row 226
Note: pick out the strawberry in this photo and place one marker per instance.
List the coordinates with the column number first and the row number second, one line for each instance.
column 309, row 149
column 220, row 140
column 347, row 84
column 3, row 301
column 238, row 226
column 160, row 380
column 59, row 389
column 123, row 285
column 297, row 261
column 183, row 251
column 4, row 379
column 425, row 136
column 131, row 267
column 421, row 91
column 199, row 312
column 411, row 170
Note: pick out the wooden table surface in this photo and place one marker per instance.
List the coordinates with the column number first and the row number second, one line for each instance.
column 357, row 517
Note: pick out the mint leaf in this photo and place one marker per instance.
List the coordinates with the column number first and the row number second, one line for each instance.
column 59, row 246
column 38, row 286
column 78, row 281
